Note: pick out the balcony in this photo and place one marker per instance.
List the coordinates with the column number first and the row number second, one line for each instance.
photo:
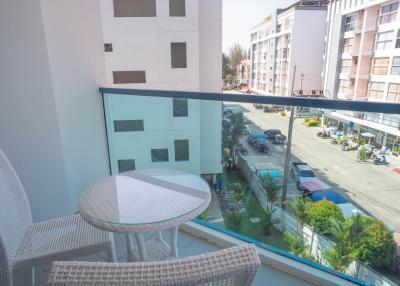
column 304, row 138
column 208, row 124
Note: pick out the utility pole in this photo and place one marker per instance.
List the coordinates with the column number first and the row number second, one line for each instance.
column 301, row 83
column 288, row 148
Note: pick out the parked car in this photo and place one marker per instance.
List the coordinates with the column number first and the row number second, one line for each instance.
column 272, row 132
column 279, row 139
column 261, row 147
column 267, row 108
column 302, row 173
column 257, row 105
column 275, row 174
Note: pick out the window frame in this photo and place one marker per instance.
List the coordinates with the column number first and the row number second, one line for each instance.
column 121, row 161
column 379, row 68
column 386, row 42
column 350, row 25
column 390, row 16
column 174, row 13
column 154, row 155
column 175, row 107
column 179, row 61
column 393, row 96
column 374, row 91
column 187, row 151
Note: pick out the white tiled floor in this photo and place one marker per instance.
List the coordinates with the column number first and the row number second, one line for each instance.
column 189, row 246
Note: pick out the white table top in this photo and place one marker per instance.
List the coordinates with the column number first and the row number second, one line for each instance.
column 144, row 200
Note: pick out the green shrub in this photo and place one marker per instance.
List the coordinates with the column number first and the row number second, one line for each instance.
column 297, row 244
column 377, row 247
column 233, row 222
column 283, row 113
column 306, row 120
column 362, row 154
column 321, row 213
column 313, row 123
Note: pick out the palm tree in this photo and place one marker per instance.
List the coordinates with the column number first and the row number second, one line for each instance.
column 238, row 194
column 238, row 126
column 272, row 189
column 346, row 234
column 339, row 257
column 299, row 207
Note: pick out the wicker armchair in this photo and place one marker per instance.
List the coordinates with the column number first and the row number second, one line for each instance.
column 236, row 266
column 24, row 244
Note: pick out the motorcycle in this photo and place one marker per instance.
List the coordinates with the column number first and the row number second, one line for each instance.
column 324, row 134
column 381, row 160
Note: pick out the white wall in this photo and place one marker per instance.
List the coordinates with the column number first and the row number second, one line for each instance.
column 144, row 44
column 307, row 47
column 210, row 63
column 29, row 131
column 51, row 122
column 76, row 53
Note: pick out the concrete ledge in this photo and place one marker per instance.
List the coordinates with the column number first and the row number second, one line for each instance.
column 268, row 258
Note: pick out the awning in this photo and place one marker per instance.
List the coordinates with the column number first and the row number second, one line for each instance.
column 315, row 186
column 329, row 196
column 368, row 134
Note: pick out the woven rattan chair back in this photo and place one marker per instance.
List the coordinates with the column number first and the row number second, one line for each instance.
column 15, row 216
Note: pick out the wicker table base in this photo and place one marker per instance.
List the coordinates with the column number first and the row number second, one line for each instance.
column 153, row 249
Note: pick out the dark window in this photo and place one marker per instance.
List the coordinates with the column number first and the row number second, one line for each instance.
column 129, row 77
column 398, row 39
column 108, row 47
column 178, row 55
column 126, row 165
column 177, row 8
column 135, row 8
column 180, row 107
column 181, row 150
column 159, row 155
column 128, row 125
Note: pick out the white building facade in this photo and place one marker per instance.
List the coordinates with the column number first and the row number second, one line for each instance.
column 166, row 45
column 362, row 62
column 289, row 37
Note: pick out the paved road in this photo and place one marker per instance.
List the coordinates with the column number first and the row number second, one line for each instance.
column 375, row 189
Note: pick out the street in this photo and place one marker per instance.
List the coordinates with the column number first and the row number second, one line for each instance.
column 373, row 188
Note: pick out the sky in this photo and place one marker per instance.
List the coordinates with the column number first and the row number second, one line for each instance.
column 240, row 15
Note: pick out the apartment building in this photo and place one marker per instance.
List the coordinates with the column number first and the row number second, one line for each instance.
column 289, row 37
column 168, row 45
column 243, row 72
column 362, row 62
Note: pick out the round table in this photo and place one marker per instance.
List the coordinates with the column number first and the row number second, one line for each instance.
column 142, row 201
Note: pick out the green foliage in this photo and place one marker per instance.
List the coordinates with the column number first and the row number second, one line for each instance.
column 204, row 215
column 283, row 113
column 266, row 220
column 233, row 221
column 339, row 257
column 238, row 194
column 297, row 244
column 361, row 141
column 272, row 189
column 321, row 214
column 362, row 153
column 299, row 208
column 377, row 246
column 230, row 61
column 313, row 123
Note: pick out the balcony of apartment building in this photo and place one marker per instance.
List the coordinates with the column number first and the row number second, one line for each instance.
column 213, row 231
